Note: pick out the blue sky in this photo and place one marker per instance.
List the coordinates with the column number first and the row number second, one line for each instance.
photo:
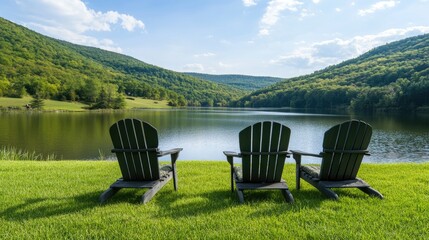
column 281, row 38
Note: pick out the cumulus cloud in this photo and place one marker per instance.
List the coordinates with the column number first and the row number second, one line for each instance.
column 77, row 38
column 316, row 1
column 381, row 5
column 71, row 20
column 249, row 3
column 325, row 53
column 273, row 11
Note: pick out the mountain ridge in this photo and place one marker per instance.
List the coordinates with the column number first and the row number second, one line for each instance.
column 240, row 81
column 31, row 63
column 392, row 76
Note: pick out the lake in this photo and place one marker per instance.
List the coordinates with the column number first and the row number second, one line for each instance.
column 206, row 133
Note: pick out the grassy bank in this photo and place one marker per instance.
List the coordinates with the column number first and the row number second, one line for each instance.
column 52, row 105
column 51, row 200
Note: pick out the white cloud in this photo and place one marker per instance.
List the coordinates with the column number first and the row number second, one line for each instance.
column 316, row 1
column 273, row 11
column 77, row 38
column 224, row 65
column 249, row 3
column 208, row 54
column 325, row 53
column 193, row 67
column 71, row 20
column 381, row 5
column 306, row 13
column 338, row 10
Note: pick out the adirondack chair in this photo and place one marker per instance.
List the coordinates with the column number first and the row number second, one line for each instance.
column 136, row 146
column 344, row 147
column 263, row 149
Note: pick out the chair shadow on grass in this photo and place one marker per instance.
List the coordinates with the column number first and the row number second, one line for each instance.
column 177, row 205
column 35, row 208
column 308, row 198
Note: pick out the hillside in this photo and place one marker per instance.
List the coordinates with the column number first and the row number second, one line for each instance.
column 33, row 64
column 393, row 76
column 244, row 82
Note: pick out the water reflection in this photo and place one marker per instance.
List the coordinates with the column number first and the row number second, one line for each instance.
column 205, row 133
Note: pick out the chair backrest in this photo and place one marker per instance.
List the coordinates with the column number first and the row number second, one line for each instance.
column 344, row 146
column 136, row 143
column 260, row 145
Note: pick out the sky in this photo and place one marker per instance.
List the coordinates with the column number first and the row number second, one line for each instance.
column 279, row 38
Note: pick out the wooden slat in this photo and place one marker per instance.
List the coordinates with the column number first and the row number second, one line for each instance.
column 127, row 157
column 344, row 183
column 245, row 140
column 152, row 142
column 366, row 134
column 277, row 185
column 134, row 156
column 256, row 146
column 265, row 147
column 274, row 147
column 347, row 158
column 143, row 156
column 283, row 146
column 117, row 143
column 133, row 184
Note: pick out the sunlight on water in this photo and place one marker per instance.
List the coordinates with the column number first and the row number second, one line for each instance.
column 205, row 134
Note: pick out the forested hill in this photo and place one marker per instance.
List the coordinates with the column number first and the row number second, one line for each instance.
column 244, row 82
column 393, row 76
column 31, row 63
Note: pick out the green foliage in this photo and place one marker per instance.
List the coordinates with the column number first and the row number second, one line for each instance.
column 243, row 82
column 12, row 153
column 59, row 200
column 30, row 63
column 109, row 98
column 393, row 76
column 37, row 102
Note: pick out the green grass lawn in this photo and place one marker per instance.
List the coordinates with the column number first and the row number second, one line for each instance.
column 59, row 200
column 53, row 105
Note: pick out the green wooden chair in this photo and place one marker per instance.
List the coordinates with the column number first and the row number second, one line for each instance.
column 136, row 146
column 344, row 147
column 263, row 149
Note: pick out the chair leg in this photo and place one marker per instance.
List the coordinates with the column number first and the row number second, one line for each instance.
column 107, row 194
column 240, row 195
column 298, row 181
column 151, row 192
column 328, row 192
column 371, row 191
column 287, row 195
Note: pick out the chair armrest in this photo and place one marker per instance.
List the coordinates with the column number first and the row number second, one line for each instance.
column 230, row 158
column 231, row 154
column 301, row 153
column 169, row 152
column 365, row 152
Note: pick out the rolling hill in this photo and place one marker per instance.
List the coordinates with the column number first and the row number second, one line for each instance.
column 392, row 76
column 244, row 82
column 31, row 63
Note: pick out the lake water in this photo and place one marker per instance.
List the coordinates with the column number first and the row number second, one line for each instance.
column 205, row 133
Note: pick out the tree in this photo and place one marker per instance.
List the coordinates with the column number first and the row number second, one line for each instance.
column 37, row 102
